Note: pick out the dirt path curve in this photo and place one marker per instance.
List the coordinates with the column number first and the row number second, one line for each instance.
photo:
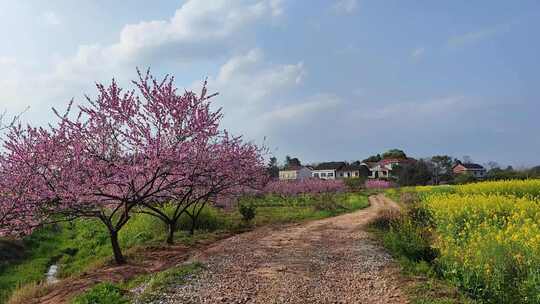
column 332, row 260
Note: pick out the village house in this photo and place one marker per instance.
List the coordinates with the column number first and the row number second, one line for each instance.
column 294, row 173
column 354, row 170
column 383, row 168
column 475, row 170
column 328, row 170
column 371, row 167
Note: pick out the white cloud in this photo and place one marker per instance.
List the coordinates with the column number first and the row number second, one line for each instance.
column 359, row 92
column 51, row 18
column 256, row 96
column 299, row 111
column 277, row 7
column 197, row 30
column 7, row 61
column 249, row 87
column 345, row 6
column 473, row 37
column 425, row 109
column 249, row 79
column 418, row 52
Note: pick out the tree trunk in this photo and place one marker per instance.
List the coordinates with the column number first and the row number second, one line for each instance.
column 170, row 236
column 117, row 251
column 193, row 225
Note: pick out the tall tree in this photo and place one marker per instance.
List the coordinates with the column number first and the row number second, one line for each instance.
column 417, row 173
column 442, row 168
column 292, row 161
column 534, row 172
column 394, row 153
column 273, row 169
column 490, row 165
column 373, row 158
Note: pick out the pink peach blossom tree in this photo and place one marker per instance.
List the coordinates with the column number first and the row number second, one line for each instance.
column 17, row 216
column 128, row 150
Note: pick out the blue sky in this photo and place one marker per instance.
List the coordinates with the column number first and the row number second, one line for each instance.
column 320, row 80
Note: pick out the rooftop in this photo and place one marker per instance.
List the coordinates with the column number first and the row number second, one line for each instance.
column 330, row 166
column 472, row 166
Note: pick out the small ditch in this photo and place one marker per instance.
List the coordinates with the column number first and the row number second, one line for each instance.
column 51, row 275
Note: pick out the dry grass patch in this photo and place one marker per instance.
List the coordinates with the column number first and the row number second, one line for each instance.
column 27, row 293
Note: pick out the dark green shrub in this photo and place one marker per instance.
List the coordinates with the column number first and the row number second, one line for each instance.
column 385, row 219
column 209, row 219
column 10, row 251
column 104, row 293
column 247, row 210
column 354, row 183
column 406, row 239
column 464, row 178
column 420, row 216
column 327, row 202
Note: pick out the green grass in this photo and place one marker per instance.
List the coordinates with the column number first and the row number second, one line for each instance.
column 84, row 244
column 41, row 249
column 153, row 285
column 269, row 212
column 76, row 246
column 157, row 283
column 413, row 256
column 103, row 293
column 434, row 291
column 407, row 237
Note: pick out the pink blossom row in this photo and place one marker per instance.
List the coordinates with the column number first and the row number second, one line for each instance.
column 308, row 186
column 378, row 184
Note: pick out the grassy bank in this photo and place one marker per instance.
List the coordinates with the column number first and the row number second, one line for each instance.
column 405, row 236
column 84, row 244
column 148, row 287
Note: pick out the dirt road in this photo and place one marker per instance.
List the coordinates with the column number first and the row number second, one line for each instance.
column 327, row 261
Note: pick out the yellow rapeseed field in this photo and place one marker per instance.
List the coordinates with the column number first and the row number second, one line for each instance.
column 529, row 187
column 488, row 238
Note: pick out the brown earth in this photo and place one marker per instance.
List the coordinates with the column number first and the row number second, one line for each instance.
column 332, row 260
column 145, row 261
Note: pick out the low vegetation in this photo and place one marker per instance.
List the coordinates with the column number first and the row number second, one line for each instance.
column 482, row 238
column 103, row 293
column 152, row 285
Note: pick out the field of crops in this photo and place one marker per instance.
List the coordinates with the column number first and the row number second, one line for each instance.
column 487, row 238
column 520, row 188
column 530, row 188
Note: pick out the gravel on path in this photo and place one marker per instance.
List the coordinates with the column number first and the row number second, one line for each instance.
column 334, row 260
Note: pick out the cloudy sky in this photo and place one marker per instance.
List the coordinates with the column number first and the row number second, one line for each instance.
column 319, row 79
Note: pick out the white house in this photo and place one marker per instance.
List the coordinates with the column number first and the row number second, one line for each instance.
column 327, row 170
column 294, row 173
column 354, row 170
column 383, row 168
